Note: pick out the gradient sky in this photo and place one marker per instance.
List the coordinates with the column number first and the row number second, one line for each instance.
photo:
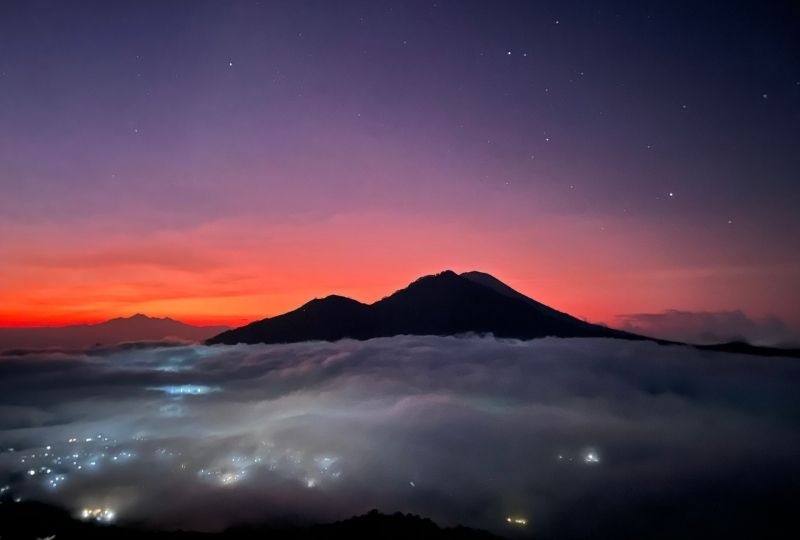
column 225, row 161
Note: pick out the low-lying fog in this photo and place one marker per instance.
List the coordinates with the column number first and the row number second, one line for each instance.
column 574, row 436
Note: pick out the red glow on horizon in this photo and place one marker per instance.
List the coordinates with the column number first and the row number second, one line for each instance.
column 215, row 275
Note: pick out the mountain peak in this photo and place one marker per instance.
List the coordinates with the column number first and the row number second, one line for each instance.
column 477, row 273
column 443, row 275
column 331, row 300
column 139, row 318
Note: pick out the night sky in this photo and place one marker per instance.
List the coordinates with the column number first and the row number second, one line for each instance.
column 225, row 161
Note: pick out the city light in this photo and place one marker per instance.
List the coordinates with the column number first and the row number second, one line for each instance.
column 101, row 515
column 591, row 457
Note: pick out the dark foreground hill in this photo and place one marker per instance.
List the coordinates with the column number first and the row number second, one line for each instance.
column 33, row 521
column 442, row 304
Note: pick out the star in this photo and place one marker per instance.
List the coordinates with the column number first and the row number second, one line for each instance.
column 671, row 194
column 508, row 53
column 230, row 64
column 765, row 96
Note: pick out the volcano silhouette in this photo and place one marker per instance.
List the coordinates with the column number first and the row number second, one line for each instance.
column 443, row 304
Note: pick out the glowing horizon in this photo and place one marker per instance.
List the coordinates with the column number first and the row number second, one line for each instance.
column 172, row 274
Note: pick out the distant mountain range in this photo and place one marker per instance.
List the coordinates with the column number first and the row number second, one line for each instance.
column 136, row 328
column 443, row 304
column 740, row 347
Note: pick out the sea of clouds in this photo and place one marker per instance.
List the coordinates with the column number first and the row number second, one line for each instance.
column 579, row 437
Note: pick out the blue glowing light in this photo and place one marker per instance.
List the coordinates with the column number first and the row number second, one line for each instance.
column 186, row 389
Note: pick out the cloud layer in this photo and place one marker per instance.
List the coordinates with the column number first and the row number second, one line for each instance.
column 581, row 437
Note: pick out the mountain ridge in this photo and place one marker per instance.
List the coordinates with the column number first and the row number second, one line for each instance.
column 137, row 327
column 445, row 303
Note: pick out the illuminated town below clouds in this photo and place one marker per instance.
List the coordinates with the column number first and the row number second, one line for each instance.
column 433, row 425
column 79, row 458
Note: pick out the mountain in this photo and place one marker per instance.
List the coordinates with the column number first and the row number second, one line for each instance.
column 443, row 304
column 136, row 328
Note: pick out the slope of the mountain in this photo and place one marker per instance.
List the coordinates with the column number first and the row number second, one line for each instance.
column 326, row 319
column 441, row 304
column 135, row 328
column 495, row 284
